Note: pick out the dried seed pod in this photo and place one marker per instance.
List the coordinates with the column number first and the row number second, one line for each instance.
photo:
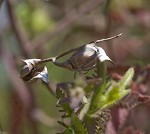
column 31, row 71
column 28, row 67
column 43, row 75
column 84, row 58
column 102, row 55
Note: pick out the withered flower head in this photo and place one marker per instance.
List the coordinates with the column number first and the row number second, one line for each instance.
column 84, row 58
column 32, row 71
column 102, row 56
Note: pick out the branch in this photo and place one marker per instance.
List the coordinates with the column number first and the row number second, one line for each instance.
column 66, row 22
column 18, row 30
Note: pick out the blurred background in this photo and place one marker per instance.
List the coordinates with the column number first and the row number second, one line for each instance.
column 45, row 28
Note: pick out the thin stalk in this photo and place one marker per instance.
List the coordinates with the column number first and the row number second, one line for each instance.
column 110, row 38
column 59, row 56
column 75, row 49
column 99, row 91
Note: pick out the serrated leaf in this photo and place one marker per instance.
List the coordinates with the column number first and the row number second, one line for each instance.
column 116, row 92
column 112, row 97
column 77, row 125
column 112, row 94
column 63, row 124
column 59, row 93
column 63, row 103
column 67, row 108
column 69, row 130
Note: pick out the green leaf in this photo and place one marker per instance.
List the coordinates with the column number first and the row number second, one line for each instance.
column 99, row 91
column 112, row 97
column 67, row 109
column 69, row 130
column 59, row 93
column 118, row 90
column 63, row 124
column 115, row 93
column 77, row 125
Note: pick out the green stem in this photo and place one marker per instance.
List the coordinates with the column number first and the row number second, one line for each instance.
column 99, row 91
column 103, row 75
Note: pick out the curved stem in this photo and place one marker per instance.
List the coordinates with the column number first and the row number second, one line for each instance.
column 59, row 56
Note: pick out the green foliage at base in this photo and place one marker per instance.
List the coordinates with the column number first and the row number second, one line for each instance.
column 106, row 95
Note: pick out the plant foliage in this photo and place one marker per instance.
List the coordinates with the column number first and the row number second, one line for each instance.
column 86, row 105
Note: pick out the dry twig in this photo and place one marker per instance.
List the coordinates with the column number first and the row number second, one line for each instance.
column 20, row 33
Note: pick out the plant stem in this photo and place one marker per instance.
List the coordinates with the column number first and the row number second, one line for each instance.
column 106, row 39
column 99, row 91
column 59, row 56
